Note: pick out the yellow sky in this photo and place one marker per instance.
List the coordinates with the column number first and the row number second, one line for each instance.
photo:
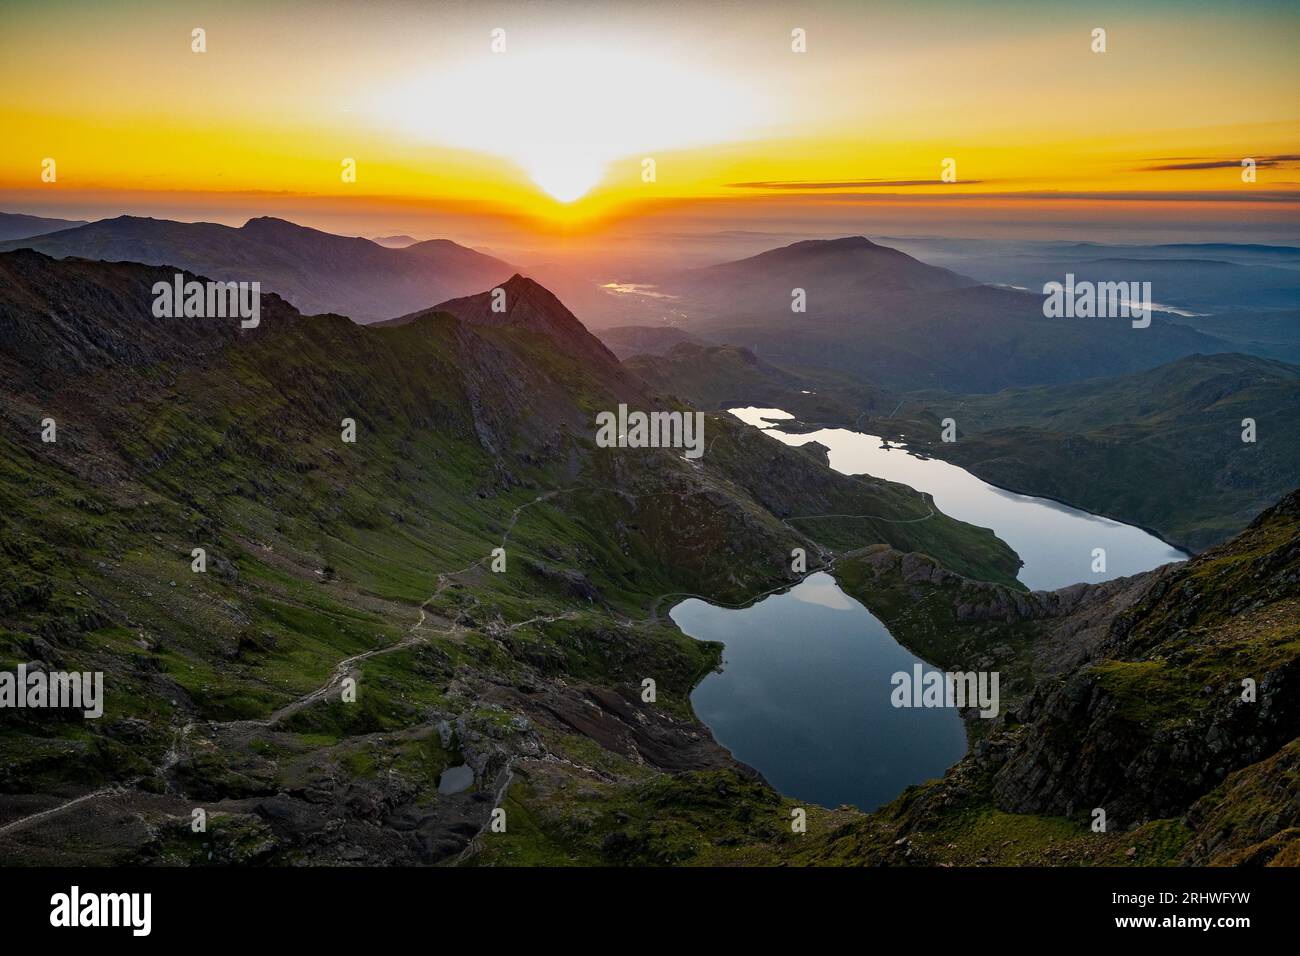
column 582, row 95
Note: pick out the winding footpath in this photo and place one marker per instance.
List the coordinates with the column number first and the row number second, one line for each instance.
column 346, row 667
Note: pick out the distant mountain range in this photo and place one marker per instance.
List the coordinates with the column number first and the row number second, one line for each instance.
column 314, row 271
column 839, row 269
column 19, row 226
column 895, row 322
column 1208, row 277
column 396, row 242
column 872, row 312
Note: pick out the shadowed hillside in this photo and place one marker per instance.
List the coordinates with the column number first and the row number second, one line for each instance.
column 314, row 271
column 370, row 560
column 893, row 321
column 1162, row 448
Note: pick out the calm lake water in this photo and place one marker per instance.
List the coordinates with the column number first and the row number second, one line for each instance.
column 804, row 692
column 1055, row 541
column 804, row 697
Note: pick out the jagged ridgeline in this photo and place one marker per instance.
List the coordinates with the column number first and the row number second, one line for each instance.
column 129, row 441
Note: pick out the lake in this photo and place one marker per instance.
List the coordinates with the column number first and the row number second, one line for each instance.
column 804, row 697
column 1055, row 541
column 804, row 692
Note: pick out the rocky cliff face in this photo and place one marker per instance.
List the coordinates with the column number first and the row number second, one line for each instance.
column 1169, row 700
column 1161, row 712
column 1252, row 818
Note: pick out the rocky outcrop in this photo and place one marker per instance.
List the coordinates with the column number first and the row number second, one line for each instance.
column 1253, row 817
column 1199, row 678
column 522, row 303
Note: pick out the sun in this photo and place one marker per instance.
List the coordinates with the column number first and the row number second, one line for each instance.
column 565, row 114
column 565, row 174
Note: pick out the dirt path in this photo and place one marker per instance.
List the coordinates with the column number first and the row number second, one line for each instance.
column 475, row 843
column 346, row 667
column 52, row 811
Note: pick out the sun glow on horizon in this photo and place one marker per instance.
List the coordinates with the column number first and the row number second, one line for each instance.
column 564, row 114
column 549, row 135
column 565, row 174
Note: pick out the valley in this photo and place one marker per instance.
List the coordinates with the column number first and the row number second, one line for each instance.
column 1161, row 449
column 223, row 688
column 802, row 693
column 522, row 455
column 355, row 679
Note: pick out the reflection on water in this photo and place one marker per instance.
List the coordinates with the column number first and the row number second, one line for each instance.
column 636, row 288
column 804, row 694
column 1055, row 541
column 804, row 697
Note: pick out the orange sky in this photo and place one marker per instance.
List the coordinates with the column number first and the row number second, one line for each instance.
column 446, row 132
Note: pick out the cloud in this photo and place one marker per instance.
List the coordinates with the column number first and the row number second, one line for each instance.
column 1253, row 194
column 1263, row 161
column 853, row 184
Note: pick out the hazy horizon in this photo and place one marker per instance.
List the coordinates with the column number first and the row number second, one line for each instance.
column 527, row 130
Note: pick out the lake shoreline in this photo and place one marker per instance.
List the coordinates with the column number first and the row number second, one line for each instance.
column 748, row 732
column 798, row 685
column 793, row 428
column 799, row 427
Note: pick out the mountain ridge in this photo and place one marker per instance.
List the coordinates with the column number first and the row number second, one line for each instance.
column 15, row 225
column 892, row 321
column 315, row 271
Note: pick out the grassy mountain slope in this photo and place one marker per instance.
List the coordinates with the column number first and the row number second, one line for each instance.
column 724, row 376
column 1270, row 334
column 1162, row 449
column 1124, row 696
column 371, row 561
column 627, row 341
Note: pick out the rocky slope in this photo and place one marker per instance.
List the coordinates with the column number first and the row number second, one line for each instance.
column 1127, row 697
column 330, row 562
